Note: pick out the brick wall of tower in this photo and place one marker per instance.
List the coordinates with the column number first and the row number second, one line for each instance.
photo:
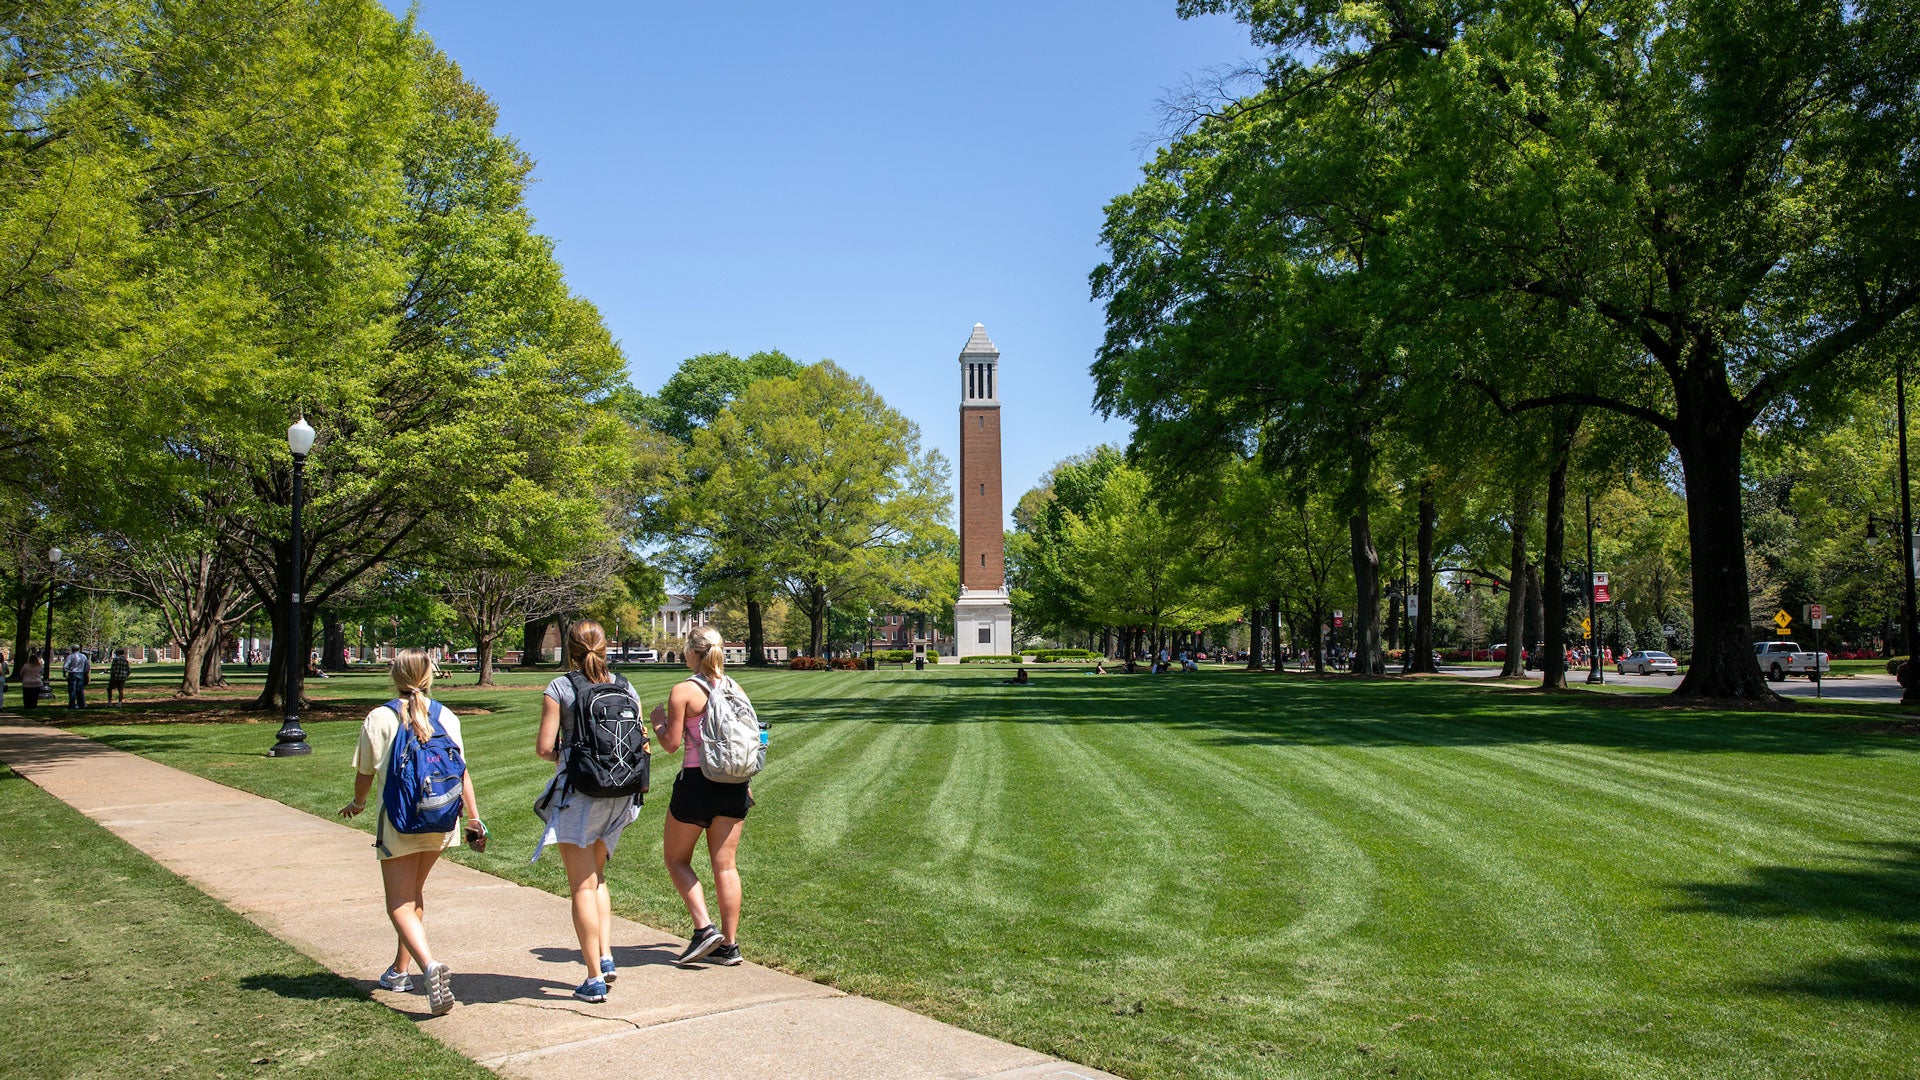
column 980, row 514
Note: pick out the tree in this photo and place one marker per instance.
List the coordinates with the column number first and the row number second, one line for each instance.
column 1724, row 186
column 815, row 482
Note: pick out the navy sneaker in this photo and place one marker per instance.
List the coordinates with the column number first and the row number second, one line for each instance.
column 705, row 940
column 726, row 955
column 608, row 972
column 593, row 990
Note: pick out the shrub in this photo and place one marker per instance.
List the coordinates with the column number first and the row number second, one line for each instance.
column 1048, row 656
column 893, row 656
column 847, row 663
column 989, row 659
column 806, row 663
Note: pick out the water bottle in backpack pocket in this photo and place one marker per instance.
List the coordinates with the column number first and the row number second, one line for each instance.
column 423, row 789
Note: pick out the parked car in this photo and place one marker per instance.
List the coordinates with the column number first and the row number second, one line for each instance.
column 1648, row 662
column 1779, row 659
column 1499, row 652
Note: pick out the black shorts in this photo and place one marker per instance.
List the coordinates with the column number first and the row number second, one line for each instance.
column 698, row 800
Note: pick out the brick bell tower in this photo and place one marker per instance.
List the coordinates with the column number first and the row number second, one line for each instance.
column 983, row 616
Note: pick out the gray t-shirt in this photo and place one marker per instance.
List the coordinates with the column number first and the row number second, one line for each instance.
column 561, row 691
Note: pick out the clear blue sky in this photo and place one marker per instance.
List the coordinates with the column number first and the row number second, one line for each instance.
column 856, row 180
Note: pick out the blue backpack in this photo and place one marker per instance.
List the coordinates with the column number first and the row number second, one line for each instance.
column 423, row 789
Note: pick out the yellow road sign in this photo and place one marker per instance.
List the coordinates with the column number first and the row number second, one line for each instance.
column 1781, row 619
column 1586, row 628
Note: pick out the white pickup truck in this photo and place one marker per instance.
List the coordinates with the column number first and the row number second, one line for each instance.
column 1779, row 659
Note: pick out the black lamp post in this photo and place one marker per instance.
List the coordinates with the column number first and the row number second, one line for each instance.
column 1910, row 695
column 292, row 739
column 53, row 583
column 1594, row 674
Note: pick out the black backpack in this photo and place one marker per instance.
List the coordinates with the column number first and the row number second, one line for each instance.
column 607, row 757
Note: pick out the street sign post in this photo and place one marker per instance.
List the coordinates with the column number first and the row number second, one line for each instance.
column 1586, row 629
column 1782, row 620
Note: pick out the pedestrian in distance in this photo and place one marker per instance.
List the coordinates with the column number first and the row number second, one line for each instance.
column 591, row 729
column 413, row 742
column 32, row 680
column 5, row 670
column 702, row 805
column 117, row 674
column 79, row 669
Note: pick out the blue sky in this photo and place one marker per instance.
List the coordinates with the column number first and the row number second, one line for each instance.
column 858, row 181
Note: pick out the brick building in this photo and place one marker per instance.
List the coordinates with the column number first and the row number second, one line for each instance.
column 983, row 615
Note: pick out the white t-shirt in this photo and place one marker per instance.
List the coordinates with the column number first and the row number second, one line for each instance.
column 370, row 759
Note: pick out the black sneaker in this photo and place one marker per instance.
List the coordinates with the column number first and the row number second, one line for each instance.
column 705, row 940
column 727, row 955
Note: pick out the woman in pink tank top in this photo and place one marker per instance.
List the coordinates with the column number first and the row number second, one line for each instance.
column 702, row 807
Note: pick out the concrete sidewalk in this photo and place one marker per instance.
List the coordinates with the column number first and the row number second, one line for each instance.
column 313, row 884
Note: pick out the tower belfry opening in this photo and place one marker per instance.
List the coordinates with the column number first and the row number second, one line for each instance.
column 983, row 615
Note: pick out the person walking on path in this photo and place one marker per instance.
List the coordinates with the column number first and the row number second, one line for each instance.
column 700, row 805
column 586, row 828
column 117, row 674
column 79, row 669
column 406, row 858
column 32, row 671
column 5, row 670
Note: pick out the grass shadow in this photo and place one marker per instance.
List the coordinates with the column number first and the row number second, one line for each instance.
column 1882, row 887
column 318, row 986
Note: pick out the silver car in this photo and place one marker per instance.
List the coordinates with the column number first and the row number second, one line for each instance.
column 1649, row 662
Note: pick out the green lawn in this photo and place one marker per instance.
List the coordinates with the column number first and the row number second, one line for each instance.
column 114, row 967
column 1228, row 875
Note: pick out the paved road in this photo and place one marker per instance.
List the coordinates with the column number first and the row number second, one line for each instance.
column 1874, row 687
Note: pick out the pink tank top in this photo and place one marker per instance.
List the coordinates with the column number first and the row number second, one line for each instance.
column 690, row 746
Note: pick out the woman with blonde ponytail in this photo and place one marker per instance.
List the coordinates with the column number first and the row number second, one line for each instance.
column 407, row 858
column 702, row 806
column 585, row 828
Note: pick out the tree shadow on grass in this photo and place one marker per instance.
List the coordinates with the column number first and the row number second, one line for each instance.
column 1877, row 889
column 1288, row 711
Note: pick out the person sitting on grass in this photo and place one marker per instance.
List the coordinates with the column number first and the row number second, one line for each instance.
column 1020, row 678
column 407, row 858
column 1099, row 667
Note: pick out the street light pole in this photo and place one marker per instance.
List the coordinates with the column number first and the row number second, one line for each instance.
column 1594, row 675
column 53, row 584
column 1910, row 694
column 292, row 738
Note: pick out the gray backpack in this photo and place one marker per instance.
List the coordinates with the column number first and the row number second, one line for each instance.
column 733, row 738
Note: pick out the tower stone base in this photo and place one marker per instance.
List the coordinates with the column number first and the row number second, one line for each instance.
column 983, row 623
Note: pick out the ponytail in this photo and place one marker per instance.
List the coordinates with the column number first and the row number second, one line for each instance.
column 587, row 650
column 709, row 651
column 412, row 673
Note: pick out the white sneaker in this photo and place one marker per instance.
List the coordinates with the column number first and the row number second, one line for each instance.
column 440, row 989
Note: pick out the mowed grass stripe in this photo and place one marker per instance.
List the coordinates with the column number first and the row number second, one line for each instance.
column 1349, row 879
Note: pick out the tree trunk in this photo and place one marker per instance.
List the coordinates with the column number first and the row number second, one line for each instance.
column 194, row 651
column 333, row 643
column 212, row 667
column 483, row 645
column 1420, row 653
column 532, row 635
column 756, row 634
column 1711, row 427
column 1516, row 593
column 1366, row 562
column 26, row 602
column 1553, row 665
column 1257, row 638
column 817, row 621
